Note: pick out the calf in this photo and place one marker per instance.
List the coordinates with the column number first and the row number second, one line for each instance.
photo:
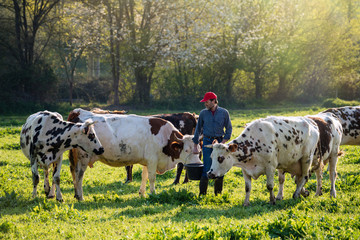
column 129, row 139
column 330, row 131
column 286, row 143
column 43, row 140
column 186, row 124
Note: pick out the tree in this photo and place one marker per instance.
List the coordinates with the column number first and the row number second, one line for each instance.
column 80, row 31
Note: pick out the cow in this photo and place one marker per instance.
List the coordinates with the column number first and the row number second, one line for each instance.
column 327, row 151
column 349, row 118
column 130, row 139
column 286, row 143
column 44, row 138
column 186, row 124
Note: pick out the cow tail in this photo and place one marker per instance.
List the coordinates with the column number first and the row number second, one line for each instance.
column 319, row 159
column 73, row 160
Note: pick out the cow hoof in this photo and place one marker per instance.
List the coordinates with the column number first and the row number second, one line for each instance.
column 50, row 196
column 306, row 193
column 185, row 181
column 60, row 200
column 295, row 196
column 175, row 183
column 246, row 204
column 128, row 181
column 279, row 198
column 272, row 202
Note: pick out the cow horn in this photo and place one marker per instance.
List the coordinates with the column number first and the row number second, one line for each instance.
column 178, row 139
column 93, row 123
column 209, row 146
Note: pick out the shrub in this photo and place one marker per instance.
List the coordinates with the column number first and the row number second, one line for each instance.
column 337, row 102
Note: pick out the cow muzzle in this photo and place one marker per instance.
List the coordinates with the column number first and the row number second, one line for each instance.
column 99, row 152
column 212, row 176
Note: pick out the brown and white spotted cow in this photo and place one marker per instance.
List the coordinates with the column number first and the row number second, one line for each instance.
column 330, row 131
column 286, row 143
column 350, row 120
column 129, row 139
column 186, row 124
column 45, row 137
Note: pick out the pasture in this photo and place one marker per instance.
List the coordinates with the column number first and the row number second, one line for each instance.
column 114, row 210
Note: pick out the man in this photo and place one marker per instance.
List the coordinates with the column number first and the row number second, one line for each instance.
column 211, row 123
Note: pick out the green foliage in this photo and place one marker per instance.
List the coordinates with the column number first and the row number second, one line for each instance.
column 13, row 146
column 6, row 226
column 9, row 131
column 9, row 199
column 173, row 197
column 337, row 102
column 289, row 226
column 47, row 210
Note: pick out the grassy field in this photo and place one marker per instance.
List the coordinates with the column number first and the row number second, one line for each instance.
column 114, row 210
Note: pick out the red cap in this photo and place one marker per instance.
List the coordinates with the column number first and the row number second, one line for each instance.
column 208, row 95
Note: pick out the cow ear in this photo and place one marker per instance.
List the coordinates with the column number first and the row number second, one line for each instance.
column 86, row 126
column 177, row 146
column 233, row 147
column 85, row 130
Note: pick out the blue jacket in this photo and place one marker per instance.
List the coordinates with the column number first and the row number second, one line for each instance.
column 213, row 125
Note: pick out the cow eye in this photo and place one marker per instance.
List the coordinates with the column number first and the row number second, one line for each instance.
column 221, row 159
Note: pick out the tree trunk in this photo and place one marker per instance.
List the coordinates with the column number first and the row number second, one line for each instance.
column 71, row 87
column 258, row 85
column 282, row 87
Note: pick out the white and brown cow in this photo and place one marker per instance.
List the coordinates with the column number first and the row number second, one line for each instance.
column 186, row 123
column 45, row 137
column 129, row 139
column 330, row 131
column 350, row 120
column 286, row 143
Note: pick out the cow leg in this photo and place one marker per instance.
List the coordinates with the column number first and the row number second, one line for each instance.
column 56, row 179
column 186, row 179
column 35, row 175
column 46, row 181
column 179, row 169
column 280, row 194
column 305, row 166
column 319, row 176
column 152, row 178
column 270, row 184
column 333, row 174
column 247, row 179
column 79, row 175
column 129, row 178
column 73, row 163
column 144, row 178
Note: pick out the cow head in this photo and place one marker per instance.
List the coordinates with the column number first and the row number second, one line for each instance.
column 222, row 159
column 87, row 138
column 185, row 147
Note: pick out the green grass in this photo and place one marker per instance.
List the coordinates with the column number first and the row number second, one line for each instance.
column 114, row 210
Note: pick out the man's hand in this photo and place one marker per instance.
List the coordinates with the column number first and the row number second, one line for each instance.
column 224, row 141
column 196, row 149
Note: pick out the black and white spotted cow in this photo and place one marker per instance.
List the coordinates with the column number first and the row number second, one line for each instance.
column 330, row 131
column 186, row 124
column 45, row 137
column 130, row 139
column 285, row 143
column 350, row 120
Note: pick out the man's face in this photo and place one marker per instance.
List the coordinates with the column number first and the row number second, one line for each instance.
column 209, row 104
